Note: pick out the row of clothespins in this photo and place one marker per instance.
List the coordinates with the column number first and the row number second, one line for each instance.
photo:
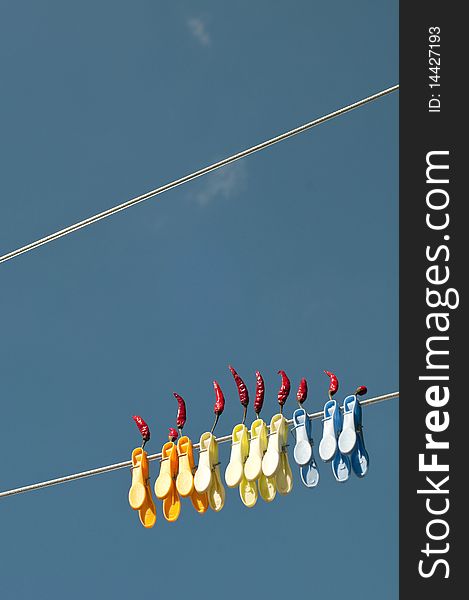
column 258, row 461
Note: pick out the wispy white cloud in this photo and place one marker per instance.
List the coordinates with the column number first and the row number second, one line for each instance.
column 224, row 183
column 198, row 28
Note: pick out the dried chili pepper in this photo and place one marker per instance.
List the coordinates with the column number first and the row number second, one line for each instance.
column 334, row 383
column 181, row 416
column 242, row 391
column 173, row 434
column 260, row 390
column 302, row 392
column 284, row 389
column 361, row 390
column 143, row 428
column 219, row 405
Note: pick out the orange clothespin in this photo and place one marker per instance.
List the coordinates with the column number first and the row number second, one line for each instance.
column 140, row 496
column 186, row 468
column 165, row 485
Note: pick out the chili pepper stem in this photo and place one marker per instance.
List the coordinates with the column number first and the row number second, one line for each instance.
column 245, row 413
column 143, row 443
column 180, row 431
column 215, row 423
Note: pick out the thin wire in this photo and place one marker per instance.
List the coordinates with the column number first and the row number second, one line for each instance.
column 128, row 463
column 191, row 176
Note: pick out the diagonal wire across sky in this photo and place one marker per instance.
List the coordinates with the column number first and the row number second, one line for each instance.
column 208, row 169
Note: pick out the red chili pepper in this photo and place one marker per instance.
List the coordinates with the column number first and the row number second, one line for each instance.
column 173, row 434
column 302, row 392
column 219, row 405
column 361, row 391
column 260, row 390
column 334, row 383
column 242, row 389
column 143, row 427
column 181, row 416
column 284, row 389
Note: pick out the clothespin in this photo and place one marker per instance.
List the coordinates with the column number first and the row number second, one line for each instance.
column 253, row 466
column 332, row 422
column 165, row 484
column 351, row 440
column 303, row 451
column 234, row 474
column 275, row 461
column 271, row 459
column 332, row 427
column 207, row 478
column 140, row 496
column 302, row 427
column 239, row 452
column 186, row 464
column 257, row 448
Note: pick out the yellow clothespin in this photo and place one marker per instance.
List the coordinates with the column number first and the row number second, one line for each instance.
column 253, row 467
column 207, row 478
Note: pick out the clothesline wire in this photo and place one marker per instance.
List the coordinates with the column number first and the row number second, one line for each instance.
column 191, row 176
column 128, row 463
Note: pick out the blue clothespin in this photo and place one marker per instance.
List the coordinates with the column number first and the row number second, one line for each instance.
column 351, row 440
column 332, row 426
column 328, row 447
column 303, row 451
column 302, row 427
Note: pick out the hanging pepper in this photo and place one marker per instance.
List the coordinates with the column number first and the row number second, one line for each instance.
column 143, row 428
column 334, row 383
column 242, row 391
column 260, row 390
column 173, row 434
column 284, row 390
column 302, row 392
column 361, row 391
column 219, row 405
column 181, row 416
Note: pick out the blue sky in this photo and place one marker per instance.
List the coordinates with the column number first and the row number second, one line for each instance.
column 287, row 260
